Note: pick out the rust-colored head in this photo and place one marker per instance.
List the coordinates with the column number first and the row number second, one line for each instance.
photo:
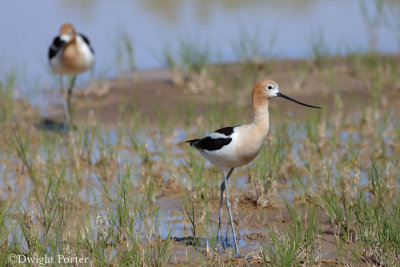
column 67, row 32
column 267, row 89
column 264, row 90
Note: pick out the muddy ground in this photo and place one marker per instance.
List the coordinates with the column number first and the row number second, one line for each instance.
column 153, row 92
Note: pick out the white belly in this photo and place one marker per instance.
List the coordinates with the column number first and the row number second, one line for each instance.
column 82, row 61
column 239, row 152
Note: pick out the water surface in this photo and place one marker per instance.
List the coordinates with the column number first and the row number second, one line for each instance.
column 28, row 28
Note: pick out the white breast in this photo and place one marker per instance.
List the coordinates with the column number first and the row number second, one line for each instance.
column 83, row 60
column 87, row 57
column 245, row 145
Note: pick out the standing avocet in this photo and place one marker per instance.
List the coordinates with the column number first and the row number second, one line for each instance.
column 232, row 147
column 70, row 54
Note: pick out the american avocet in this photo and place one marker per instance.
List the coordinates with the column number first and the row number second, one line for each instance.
column 232, row 147
column 70, row 54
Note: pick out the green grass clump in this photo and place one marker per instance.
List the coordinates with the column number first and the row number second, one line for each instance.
column 7, row 85
column 269, row 167
column 100, row 191
column 252, row 46
column 126, row 50
column 319, row 50
column 191, row 55
column 296, row 246
column 377, row 214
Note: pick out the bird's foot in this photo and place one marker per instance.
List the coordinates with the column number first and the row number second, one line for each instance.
column 220, row 242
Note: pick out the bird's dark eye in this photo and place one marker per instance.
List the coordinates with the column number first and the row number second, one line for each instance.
column 269, row 87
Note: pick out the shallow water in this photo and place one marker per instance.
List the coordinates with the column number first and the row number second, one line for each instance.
column 171, row 218
column 111, row 148
column 115, row 147
column 29, row 27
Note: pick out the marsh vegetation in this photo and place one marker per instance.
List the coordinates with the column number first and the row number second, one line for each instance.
column 127, row 191
column 122, row 188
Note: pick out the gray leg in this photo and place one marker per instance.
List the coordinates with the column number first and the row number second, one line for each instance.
column 226, row 232
column 220, row 206
column 228, row 206
column 61, row 84
column 220, row 213
column 69, row 94
column 64, row 102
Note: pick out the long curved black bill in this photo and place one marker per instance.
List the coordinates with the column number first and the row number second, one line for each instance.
column 295, row 101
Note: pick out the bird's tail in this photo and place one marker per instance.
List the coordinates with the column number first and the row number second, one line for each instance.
column 192, row 142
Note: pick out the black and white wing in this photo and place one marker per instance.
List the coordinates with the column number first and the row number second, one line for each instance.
column 86, row 40
column 55, row 47
column 214, row 141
